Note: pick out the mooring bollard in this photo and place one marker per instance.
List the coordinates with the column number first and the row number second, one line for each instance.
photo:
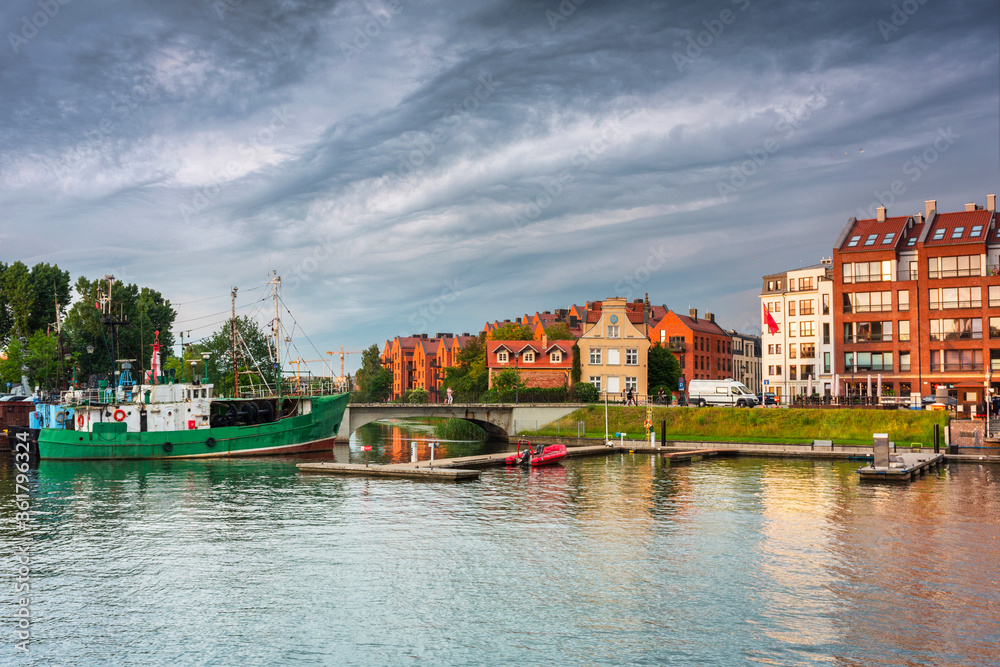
column 413, row 452
column 432, row 446
column 937, row 438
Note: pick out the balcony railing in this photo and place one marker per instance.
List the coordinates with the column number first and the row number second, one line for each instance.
column 956, row 335
column 869, row 338
column 937, row 367
column 955, row 273
column 944, row 305
column 878, row 308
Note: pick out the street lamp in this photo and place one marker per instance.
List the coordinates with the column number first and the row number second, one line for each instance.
column 851, row 394
column 193, row 362
column 90, row 362
column 205, row 356
column 67, row 357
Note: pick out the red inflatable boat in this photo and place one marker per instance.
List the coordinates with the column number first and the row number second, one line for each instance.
column 541, row 455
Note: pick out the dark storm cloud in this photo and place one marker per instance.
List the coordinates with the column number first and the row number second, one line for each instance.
column 510, row 156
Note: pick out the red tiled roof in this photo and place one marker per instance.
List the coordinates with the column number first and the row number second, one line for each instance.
column 704, row 326
column 946, row 224
column 518, row 347
column 870, row 234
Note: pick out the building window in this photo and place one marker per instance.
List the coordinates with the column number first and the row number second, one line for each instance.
column 957, row 232
column 853, row 242
column 952, row 267
column 995, row 327
column 596, row 381
column 614, row 356
column 770, row 285
column 826, row 304
column 995, row 360
column 954, row 297
column 806, row 283
column 938, row 234
column 903, row 300
column 807, row 351
column 528, row 357
column 826, row 333
column 777, row 348
column 807, row 329
column 871, row 239
column 867, row 332
column 957, row 328
column 631, row 356
column 791, row 329
column 777, row 370
column 806, row 307
column 770, row 370
column 826, row 362
column 903, row 326
column 556, row 356
column 614, row 331
column 631, row 383
column 791, row 373
column 867, row 272
column 868, row 361
column 595, row 356
column 994, row 296
column 807, row 371
column 956, row 360
column 502, row 357
column 904, row 362
column 889, row 238
column 791, row 308
column 770, row 347
column 792, row 352
column 867, row 302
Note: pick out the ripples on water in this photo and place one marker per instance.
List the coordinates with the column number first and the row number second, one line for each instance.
column 607, row 560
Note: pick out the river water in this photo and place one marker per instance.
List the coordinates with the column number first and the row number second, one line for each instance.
column 609, row 560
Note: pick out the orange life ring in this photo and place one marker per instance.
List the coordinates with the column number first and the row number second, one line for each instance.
column 119, row 415
column 648, row 424
column 79, row 420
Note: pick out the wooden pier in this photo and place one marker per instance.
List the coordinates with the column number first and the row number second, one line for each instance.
column 406, row 470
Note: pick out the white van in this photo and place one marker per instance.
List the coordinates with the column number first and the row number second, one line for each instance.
column 727, row 392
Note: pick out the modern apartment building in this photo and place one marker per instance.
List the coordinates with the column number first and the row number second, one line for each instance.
column 918, row 303
column 798, row 357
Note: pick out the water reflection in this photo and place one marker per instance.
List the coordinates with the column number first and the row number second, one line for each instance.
column 613, row 559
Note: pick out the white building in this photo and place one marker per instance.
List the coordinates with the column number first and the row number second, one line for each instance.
column 801, row 352
column 747, row 360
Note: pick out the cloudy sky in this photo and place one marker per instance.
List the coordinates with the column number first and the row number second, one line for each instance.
column 422, row 165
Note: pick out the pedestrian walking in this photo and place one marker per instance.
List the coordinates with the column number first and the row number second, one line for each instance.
column 630, row 397
column 450, row 398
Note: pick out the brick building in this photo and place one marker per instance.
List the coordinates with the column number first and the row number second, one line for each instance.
column 703, row 349
column 539, row 363
column 917, row 302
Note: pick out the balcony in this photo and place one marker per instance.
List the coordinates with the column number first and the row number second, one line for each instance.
column 869, row 338
column 676, row 346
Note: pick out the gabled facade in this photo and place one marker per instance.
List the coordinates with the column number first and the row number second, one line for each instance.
column 703, row 349
column 614, row 351
column 539, row 363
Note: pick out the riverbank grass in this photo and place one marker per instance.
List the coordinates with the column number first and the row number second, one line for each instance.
column 792, row 426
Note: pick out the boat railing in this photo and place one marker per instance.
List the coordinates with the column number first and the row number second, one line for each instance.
column 301, row 385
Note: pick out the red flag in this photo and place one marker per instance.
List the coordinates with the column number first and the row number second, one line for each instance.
column 772, row 326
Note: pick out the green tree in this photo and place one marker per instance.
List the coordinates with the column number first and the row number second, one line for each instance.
column 576, row 371
column 379, row 387
column 469, row 376
column 559, row 331
column 371, row 364
column 585, row 392
column 508, row 378
column 38, row 358
column 48, row 285
column 512, row 331
column 253, row 352
column 664, row 370
column 19, row 298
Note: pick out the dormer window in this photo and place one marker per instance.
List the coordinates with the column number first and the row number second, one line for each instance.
column 957, row 233
column 888, row 238
column 502, row 357
column 853, row 242
column 871, row 239
column 976, row 231
column 938, row 234
column 529, row 357
column 556, row 356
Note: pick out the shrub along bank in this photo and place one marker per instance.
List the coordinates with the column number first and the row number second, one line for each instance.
column 793, row 426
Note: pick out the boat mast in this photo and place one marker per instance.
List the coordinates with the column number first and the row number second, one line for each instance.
column 276, row 329
column 236, row 365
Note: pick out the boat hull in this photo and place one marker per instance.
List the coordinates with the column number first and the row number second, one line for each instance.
column 310, row 432
column 550, row 455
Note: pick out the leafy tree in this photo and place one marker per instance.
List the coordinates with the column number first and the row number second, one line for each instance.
column 371, row 364
column 415, row 396
column 253, row 353
column 182, row 368
column 559, row 331
column 39, row 356
column 19, row 299
column 141, row 312
column 664, row 370
column 575, row 371
column 379, row 386
column 48, row 285
column 585, row 392
column 469, row 375
column 508, row 378
column 512, row 331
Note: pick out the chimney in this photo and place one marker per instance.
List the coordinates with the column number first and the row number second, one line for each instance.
column 991, row 202
column 693, row 313
column 971, row 206
column 931, row 206
column 465, row 333
column 880, row 213
column 545, row 341
column 919, row 217
column 710, row 317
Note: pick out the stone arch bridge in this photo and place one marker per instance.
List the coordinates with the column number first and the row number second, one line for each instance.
column 499, row 420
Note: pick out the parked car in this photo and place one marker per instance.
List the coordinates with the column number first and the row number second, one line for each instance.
column 931, row 399
column 767, row 398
